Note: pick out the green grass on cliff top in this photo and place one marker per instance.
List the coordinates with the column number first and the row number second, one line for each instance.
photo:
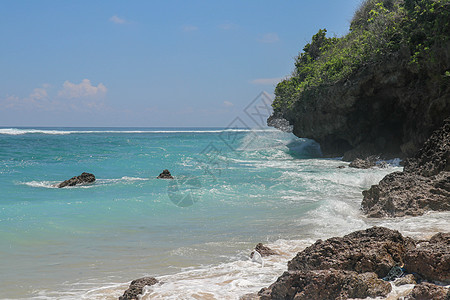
column 379, row 29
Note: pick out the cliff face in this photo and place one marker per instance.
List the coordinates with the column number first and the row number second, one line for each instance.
column 383, row 108
column 380, row 90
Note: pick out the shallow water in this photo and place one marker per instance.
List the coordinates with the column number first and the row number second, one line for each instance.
column 233, row 189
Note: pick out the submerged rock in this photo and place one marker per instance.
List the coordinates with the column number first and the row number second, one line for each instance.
column 423, row 185
column 165, row 175
column 84, row 178
column 137, row 287
column 428, row 291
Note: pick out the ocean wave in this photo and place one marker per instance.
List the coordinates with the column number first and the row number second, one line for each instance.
column 16, row 131
column 53, row 184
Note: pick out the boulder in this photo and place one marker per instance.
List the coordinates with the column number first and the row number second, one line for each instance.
column 165, row 175
column 407, row 279
column 376, row 249
column 263, row 250
column 367, row 163
column 137, row 287
column 84, row 178
column 428, row 291
column 423, row 185
column 326, row 284
column 431, row 259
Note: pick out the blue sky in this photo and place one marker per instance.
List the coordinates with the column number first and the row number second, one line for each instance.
column 150, row 63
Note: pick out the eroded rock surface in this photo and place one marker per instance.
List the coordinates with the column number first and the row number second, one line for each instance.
column 423, row 185
column 136, row 288
column 428, row 291
column 84, row 178
column 165, row 175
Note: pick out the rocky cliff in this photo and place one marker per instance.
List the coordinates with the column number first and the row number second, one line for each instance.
column 386, row 99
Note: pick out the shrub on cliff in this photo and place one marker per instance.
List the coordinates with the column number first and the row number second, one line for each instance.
column 416, row 31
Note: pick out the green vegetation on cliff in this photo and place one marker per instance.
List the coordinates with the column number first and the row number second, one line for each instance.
column 411, row 30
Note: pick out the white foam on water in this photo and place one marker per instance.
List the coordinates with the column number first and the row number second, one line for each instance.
column 17, row 131
column 98, row 182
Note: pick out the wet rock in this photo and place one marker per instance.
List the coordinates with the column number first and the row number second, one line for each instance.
column 263, row 250
column 400, row 193
column 367, row 163
column 84, row 178
column 251, row 296
column 137, row 287
column 376, row 249
column 326, row 284
column 407, row 279
column 165, row 175
column 431, row 259
column 428, row 291
column 423, row 185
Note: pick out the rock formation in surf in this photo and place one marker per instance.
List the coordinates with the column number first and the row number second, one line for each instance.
column 137, row 287
column 423, row 185
column 84, row 178
column 354, row 266
column 165, row 175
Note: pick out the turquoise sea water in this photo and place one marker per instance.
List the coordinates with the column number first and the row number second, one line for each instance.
column 232, row 189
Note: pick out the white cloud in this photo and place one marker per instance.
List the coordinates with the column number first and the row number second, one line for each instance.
column 228, row 104
column 115, row 19
column 38, row 99
column 82, row 90
column 267, row 81
column 269, row 38
column 189, row 28
column 228, row 26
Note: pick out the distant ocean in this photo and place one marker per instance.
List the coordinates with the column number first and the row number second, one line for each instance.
column 232, row 189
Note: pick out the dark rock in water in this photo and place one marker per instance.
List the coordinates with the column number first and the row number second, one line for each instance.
column 165, row 175
column 376, row 249
column 84, row 178
column 340, row 167
column 431, row 259
column 400, row 193
column 367, row 163
column 263, row 250
column 137, row 287
column 326, row 284
column 428, row 291
column 424, row 185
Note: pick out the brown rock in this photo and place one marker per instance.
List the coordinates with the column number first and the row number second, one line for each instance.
column 84, row 178
column 136, row 288
column 326, row 284
column 367, row 163
column 251, row 296
column 431, row 259
column 400, row 193
column 407, row 279
column 376, row 249
column 263, row 250
column 428, row 291
column 165, row 175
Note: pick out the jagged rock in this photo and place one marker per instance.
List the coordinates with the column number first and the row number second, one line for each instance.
column 431, row 259
column 423, row 185
column 165, row 175
column 407, row 279
column 376, row 249
column 136, row 288
column 326, row 284
column 434, row 156
column 428, row 291
column 84, row 178
column 367, row 163
column 400, row 193
column 263, row 250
